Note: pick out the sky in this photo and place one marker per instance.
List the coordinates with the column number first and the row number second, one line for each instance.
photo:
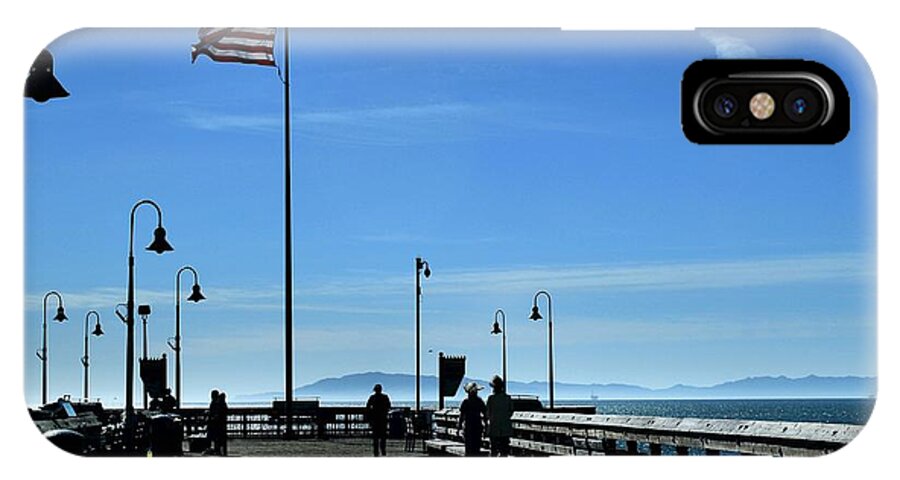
column 512, row 161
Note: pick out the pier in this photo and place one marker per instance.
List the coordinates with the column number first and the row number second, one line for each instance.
column 344, row 431
column 549, row 433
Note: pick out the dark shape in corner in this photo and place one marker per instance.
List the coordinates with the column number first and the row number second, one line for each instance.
column 41, row 84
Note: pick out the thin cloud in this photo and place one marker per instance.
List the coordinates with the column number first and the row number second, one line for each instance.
column 661, row 276
column 629, row 277
column 389, row 126
column 728, row 46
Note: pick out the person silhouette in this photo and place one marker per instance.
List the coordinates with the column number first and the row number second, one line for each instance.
column 377, row 408
column 499, row 414
column 221, row 445
column 167, row 403
column 471, row 419
column 212, row 420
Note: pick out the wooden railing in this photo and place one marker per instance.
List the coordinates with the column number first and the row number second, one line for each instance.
column 542, row 433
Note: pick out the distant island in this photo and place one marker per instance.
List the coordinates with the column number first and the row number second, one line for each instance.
column 401, row 387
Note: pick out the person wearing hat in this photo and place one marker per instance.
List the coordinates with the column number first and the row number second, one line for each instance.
column 499, row 414
column 377, row 409
column 472, row 416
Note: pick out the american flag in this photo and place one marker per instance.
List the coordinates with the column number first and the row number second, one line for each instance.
column 241, row 45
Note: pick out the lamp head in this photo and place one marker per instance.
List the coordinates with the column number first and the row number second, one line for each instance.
column 196, row 295
column 496, row 330
column 160, row 245
column 535, row 314
column 42, row 84
column 144, row 310
column 98, row 330
column 60, row 314
column 427, row 271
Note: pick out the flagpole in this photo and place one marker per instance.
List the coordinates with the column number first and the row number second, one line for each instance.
column 288, row 257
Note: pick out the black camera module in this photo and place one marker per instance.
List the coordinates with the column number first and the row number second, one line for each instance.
column 725, row 105
column 802, row 105
column 807, row 103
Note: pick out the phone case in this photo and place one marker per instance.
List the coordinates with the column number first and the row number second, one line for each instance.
column 442, row 242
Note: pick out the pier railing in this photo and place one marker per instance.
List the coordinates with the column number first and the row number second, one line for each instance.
column 543, row 433
column 257, row 422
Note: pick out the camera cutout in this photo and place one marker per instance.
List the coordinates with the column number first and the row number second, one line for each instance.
column 763, row 102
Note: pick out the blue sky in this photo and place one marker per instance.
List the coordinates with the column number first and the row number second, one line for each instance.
column 512, row 162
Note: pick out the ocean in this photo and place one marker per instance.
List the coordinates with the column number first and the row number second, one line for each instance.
column 854, row 411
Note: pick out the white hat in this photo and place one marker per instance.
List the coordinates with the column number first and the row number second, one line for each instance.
column 472, row 387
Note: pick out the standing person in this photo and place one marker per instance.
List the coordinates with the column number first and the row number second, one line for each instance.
column 222, row 427
column 212, row 420
column 377, row 409
column 168, row 402
column 499, row 414
column 471, row 419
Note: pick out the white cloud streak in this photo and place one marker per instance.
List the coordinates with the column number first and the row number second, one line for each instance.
column 661, row 276
column 624, row 277
column 728, row 46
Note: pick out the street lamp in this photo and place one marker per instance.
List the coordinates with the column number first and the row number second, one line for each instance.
column 160, row 246
column 85, row 360
column 420, row 265
column 536, row 315
column 498, row 330
column 43, row 352
column 196, row 296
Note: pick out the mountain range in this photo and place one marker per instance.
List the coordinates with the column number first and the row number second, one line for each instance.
column 401, row 387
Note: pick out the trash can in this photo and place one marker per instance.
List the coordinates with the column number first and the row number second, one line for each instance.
column 166, row 435
column 396, row 424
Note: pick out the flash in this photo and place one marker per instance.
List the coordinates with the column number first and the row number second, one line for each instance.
column 762, row 106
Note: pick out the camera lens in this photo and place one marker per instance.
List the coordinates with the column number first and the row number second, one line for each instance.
column 801, row 105
column 725, row 105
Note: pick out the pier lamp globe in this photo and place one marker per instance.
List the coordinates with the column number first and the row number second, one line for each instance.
column 196, row 295
column 60, row 314
column 160, row 245
column 496, row 330
column 535, row 314
column 98, row 330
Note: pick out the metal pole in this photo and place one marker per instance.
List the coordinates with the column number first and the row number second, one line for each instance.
column 440, row 392
column 177, row 345
column 418, row 332
column 129, row 336
column 144, row 354
column 549, row 340
column 85, row 360
column 43, row 357
column 505, row 378
column 288, row 270
column 178, row 338
column 43, row 353
column 129, row 324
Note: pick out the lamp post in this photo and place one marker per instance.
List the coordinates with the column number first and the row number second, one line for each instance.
column 536, row 315
column 421, row 267
column 195, row 296
column 498, row 330
column 85, row 360
column 43, row 352
column 160, row 246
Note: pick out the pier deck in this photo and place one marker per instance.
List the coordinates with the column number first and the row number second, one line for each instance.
column 336, row 447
